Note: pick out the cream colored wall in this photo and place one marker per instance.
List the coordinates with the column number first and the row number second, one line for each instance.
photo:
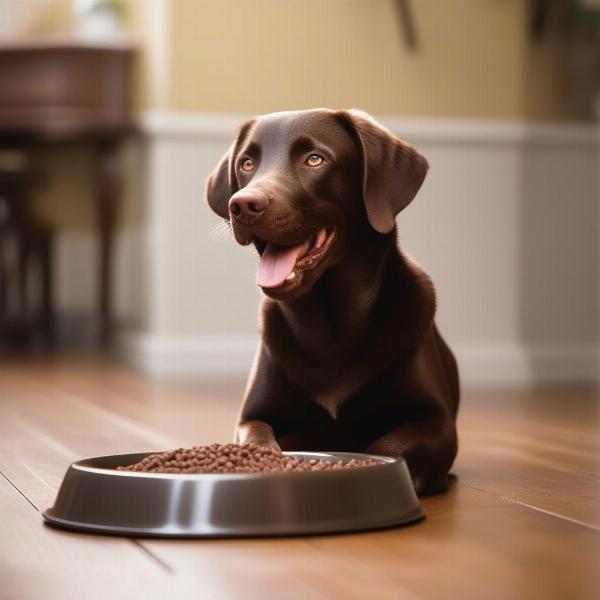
column 474, row 58
column 267, row 55
column 41, row 16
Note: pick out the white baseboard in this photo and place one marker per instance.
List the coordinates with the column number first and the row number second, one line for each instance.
column 510, row 365
column 495, row 365
column 189, row 356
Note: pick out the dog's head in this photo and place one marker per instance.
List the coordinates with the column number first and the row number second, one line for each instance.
column 301, row 186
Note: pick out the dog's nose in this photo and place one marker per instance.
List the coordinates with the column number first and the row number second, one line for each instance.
column 248, row 205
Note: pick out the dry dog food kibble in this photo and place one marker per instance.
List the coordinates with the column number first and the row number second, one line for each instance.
column 234, row 458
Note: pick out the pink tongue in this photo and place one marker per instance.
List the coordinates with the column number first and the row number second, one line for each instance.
column 276, row 263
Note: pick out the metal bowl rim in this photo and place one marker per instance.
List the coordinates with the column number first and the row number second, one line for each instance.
column 385, row 461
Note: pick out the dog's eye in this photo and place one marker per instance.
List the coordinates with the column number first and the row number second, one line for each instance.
column 314, row 160
column 247, row 165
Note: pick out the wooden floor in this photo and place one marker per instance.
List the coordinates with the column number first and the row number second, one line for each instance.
column 521, row 521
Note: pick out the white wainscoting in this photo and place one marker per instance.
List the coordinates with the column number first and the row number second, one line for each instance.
column 507, row 223
column 485, row 365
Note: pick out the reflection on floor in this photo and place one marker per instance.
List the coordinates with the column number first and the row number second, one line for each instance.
column 522, row 519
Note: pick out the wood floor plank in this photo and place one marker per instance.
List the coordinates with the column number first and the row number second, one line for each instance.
column 185, row 413
column 281, row 568
column 472, row 545
column 42, row 430
column 489, row 537
column 40, row 562
column 541, row 450
column 46, row 442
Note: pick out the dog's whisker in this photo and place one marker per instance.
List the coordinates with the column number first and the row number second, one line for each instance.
column 221, row 230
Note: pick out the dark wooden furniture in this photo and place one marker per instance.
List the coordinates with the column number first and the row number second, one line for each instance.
column 26, row 306
column 62, row 91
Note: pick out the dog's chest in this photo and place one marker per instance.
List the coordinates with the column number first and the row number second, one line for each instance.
column 328, row 373
column 331, row 400
column 333, row 388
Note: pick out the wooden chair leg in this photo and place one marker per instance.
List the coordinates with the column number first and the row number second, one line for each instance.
column 108, row 188
column 47, row 287
column 23, row 255
column 3, row 286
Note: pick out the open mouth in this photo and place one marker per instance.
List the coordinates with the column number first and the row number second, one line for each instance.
column 281, row 265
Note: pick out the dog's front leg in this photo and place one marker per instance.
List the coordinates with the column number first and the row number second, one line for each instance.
column 256, row 432
column 428, row 446
column 268, row 403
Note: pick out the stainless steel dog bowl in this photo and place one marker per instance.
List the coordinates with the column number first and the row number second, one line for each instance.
column 95, row 497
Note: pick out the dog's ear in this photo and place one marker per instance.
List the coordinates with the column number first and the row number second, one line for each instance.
column 393, row 170
column 222, row 182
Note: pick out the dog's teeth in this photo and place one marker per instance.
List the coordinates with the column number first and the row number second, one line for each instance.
column 291, row 276
column 321, row 237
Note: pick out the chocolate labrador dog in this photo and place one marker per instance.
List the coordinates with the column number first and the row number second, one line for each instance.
column 350, row 358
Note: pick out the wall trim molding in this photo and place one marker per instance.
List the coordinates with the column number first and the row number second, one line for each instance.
column 514, row 365
column 501, row 365
column 188, row 356
column 182, row 125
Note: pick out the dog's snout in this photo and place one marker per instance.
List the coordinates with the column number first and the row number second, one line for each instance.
column 248, row 205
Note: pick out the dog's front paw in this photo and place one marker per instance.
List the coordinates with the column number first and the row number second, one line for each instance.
column 267, row 444
column 427, row 486
column 256, row 432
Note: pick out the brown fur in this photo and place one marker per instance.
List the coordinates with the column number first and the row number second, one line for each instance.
column 350, row 357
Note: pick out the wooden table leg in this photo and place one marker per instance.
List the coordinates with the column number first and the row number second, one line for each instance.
column 47, row 288
column 3, row 282
column 108, row 188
